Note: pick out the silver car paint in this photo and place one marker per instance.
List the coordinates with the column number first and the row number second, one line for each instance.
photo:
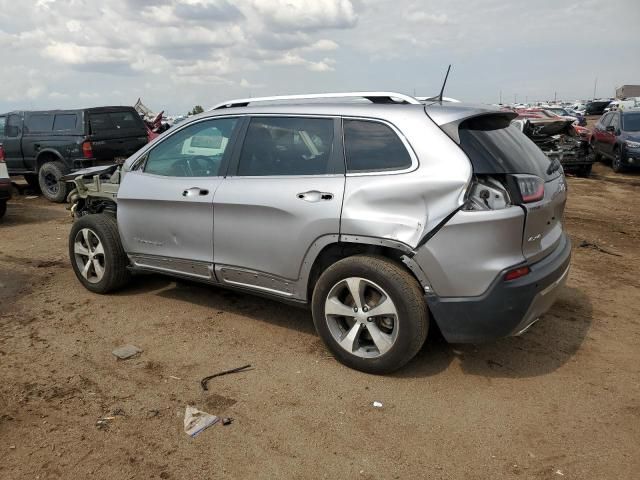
column 155, row 218
column 464, row 257
column 267, row 240
column 404, row 206
column 543, row 229
column 262, row 226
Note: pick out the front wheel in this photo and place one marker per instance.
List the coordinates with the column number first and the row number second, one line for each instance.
column 616, row 163
column 96, row 254
column 50, row 179
column 597, row 157
column 371, row 313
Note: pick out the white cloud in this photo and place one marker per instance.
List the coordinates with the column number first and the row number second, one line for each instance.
column 178, row 53
column 307, row 15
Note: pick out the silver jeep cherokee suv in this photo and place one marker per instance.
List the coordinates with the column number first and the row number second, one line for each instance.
column 384, row 216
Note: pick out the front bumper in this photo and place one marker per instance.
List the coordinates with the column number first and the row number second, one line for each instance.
column 507, row 308
column 631, row 157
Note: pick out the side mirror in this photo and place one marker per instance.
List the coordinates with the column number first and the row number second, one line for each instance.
column 12, row 131
column 610, row 128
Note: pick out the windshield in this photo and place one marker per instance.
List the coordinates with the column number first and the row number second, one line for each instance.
column 631, row 122
column 558, row 111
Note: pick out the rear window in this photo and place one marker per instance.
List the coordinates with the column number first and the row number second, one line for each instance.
column 66, row 121
column 373, row 146
column 110, row 122
column 39, row 123
column 496, row 149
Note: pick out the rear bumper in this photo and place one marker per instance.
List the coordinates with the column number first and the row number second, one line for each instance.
column 507, row 308
column 80, row 163
column 5, row 189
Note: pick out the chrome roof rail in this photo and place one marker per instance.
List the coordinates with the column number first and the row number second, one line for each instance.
column 373, row 97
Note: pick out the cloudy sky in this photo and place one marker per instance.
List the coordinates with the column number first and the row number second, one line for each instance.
column 178, row 53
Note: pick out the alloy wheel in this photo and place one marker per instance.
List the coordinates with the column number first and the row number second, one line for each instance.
column 89, row 255
column 361, row 317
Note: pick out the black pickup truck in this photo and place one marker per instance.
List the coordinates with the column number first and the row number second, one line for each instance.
column 44, row 146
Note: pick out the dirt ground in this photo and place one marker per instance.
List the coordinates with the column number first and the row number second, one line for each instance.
column 562, row 401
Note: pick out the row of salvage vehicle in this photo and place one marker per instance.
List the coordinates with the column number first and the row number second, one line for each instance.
column 614, row 138
column 385, row 218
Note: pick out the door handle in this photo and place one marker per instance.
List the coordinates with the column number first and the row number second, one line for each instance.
column 195, row 191
column 314, row 196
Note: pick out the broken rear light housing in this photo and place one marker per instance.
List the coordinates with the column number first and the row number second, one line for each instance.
column 2, row 154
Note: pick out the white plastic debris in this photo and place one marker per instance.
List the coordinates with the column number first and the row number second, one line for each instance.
column 377, row 404
column 126, row 351
column 559, row 472
column 195, row 421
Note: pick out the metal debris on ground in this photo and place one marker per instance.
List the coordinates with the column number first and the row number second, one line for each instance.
column 377, row 404
column 195, row 421
column 126, row 351
column 203, row 382
column 103, row 423
column 595, row 246
column 227, row 421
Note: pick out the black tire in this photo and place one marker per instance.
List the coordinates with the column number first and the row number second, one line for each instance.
column 584, row 170
column 616, row 163
column 115, row 261
column 49, row 179
column 404, row 291
column 33, row 181
column 597, row 157
column 3, row 208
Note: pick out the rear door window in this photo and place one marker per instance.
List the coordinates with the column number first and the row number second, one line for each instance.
column 288, row 146
column 372, row 147
column 606, row 120
column 65, row 121
column 39, row 123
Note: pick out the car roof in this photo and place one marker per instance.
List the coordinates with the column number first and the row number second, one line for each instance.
column 440, row 113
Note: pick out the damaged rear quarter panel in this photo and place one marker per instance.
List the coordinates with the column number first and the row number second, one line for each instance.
column 404, row 206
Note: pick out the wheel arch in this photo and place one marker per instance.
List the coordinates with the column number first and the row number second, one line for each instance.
column 48, row 155
column 329, row 249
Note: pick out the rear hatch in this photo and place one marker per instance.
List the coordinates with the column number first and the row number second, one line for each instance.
column 534, row 182
column 115, row 133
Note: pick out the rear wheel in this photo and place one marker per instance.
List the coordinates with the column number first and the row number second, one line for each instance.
column 51, row 183
column 371, row 313
column 3, row 208
column 616, row 163
column 96, row 254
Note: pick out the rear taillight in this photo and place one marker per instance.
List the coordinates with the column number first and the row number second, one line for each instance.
column 87, row 150
column 2, row 154
column 531, row 188
column 516, row 273
column 487, row 193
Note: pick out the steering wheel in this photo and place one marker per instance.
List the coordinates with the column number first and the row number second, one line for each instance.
column 194, row 166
